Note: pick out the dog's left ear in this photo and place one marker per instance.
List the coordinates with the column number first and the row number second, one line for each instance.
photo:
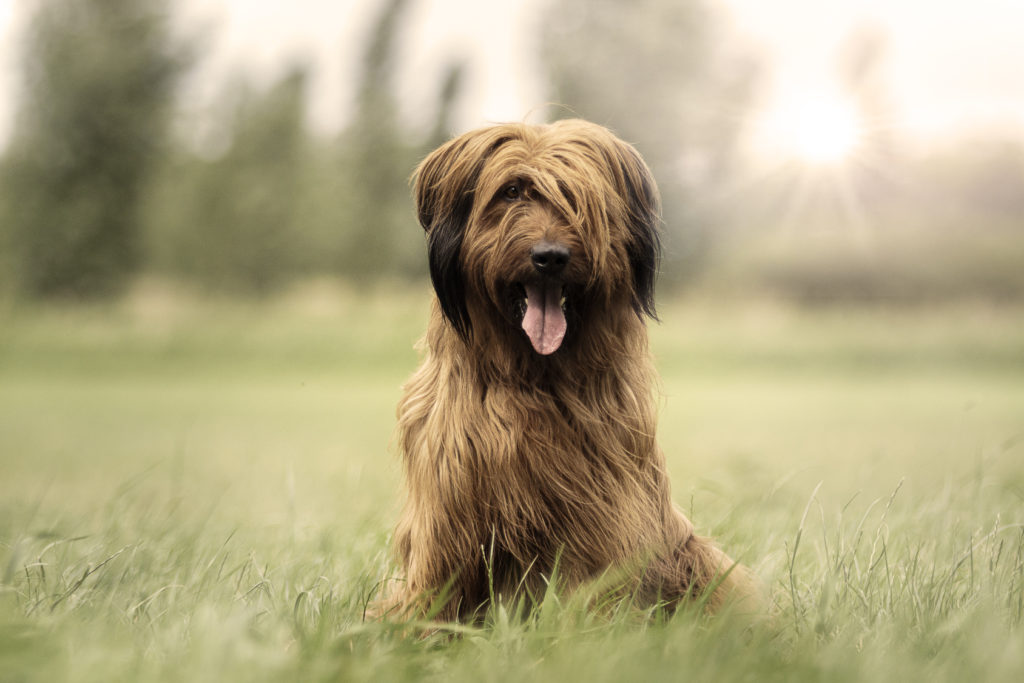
column 644, row 246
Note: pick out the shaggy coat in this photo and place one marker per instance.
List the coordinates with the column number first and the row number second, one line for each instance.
column 528, row 433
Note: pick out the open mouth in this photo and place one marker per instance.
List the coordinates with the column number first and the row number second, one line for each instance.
column 541, row 308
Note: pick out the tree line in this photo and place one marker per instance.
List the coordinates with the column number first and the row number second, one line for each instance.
column 96, row 189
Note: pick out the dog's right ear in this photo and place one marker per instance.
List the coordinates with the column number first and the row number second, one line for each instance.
column 444, row 186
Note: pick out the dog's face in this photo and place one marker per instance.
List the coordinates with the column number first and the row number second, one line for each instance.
column 535, row 230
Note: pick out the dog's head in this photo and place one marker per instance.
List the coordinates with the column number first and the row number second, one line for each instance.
column 538, row 229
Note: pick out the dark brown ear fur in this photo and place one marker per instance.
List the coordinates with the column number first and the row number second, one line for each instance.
column 644, row 246
column 444, row 186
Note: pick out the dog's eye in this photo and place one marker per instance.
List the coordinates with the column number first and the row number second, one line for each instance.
column 512, row 192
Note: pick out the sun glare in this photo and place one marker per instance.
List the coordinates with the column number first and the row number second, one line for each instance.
column 813, row 128
column 825, row 131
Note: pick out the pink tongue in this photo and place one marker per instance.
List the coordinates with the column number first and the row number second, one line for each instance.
column 544, row 321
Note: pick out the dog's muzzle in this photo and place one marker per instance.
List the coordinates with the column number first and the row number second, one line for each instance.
column 544, row 319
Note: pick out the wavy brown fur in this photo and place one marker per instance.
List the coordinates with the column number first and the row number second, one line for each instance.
column 516, row 462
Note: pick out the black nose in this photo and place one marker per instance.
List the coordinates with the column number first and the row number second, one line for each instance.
column 549, row 258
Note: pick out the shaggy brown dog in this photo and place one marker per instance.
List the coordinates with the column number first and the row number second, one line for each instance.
column 528, row 434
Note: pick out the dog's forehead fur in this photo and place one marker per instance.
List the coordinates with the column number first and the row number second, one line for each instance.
column 576, row 171
column 582, row 169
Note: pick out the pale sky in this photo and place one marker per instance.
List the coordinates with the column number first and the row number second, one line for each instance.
column 949, row 65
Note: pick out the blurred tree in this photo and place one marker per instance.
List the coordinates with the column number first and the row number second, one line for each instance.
column 861, row 67
column 97, row 85
column 451, row 87
column 663, row 76
column 377, row 160
column 265, row 201
column 231, row 223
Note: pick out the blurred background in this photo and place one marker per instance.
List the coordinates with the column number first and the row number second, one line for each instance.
column 212, row 281
column 807, row 151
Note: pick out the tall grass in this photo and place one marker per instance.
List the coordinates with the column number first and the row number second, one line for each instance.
column 205, row 492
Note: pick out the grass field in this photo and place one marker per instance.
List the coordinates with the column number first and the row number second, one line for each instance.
column 205, row 493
